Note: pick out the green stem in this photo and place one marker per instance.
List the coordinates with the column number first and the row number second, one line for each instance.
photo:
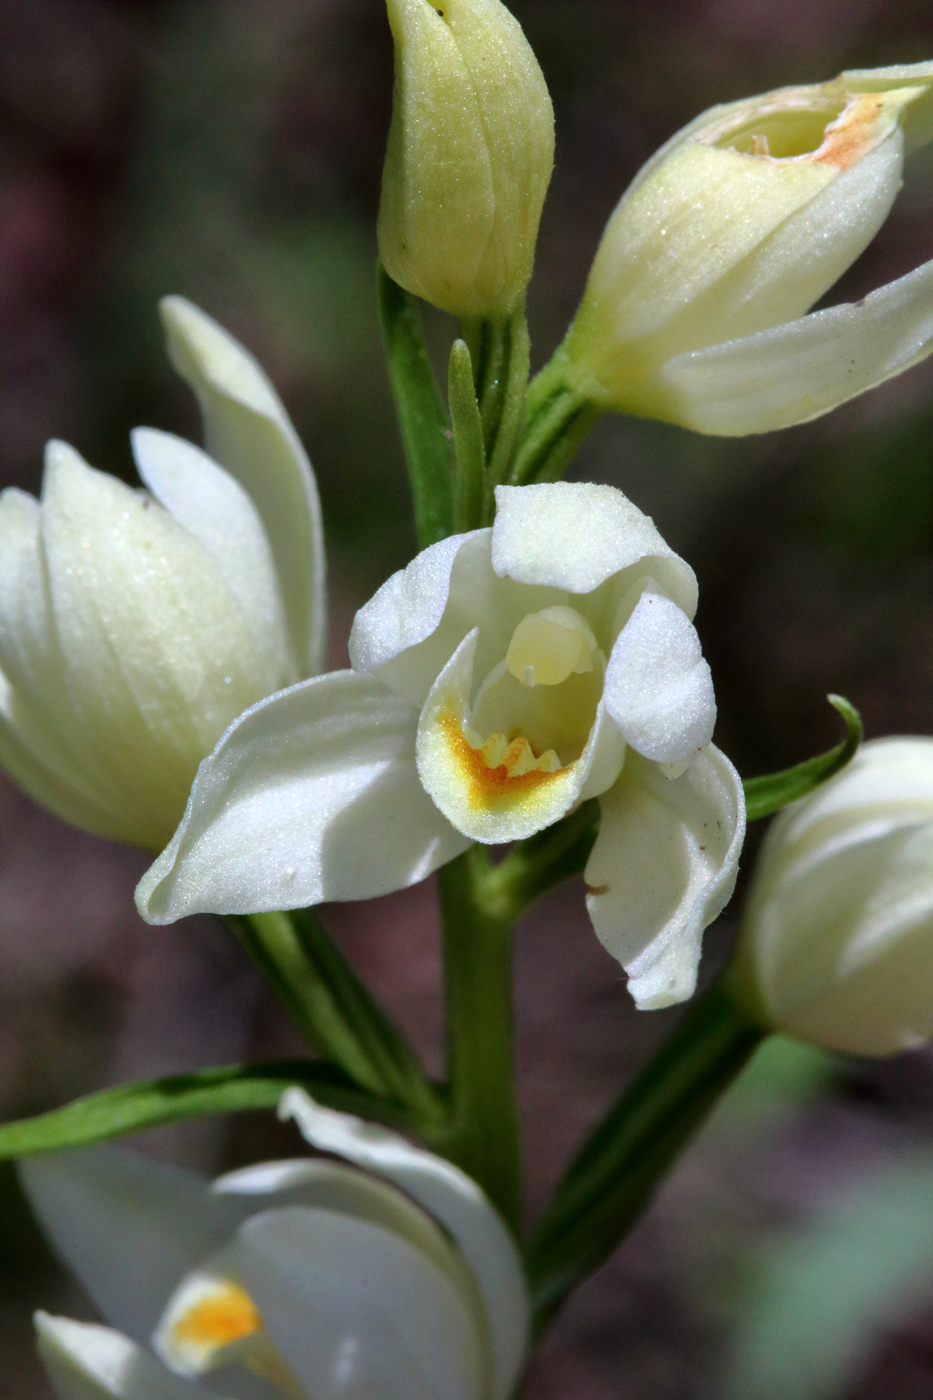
column 621, row 1164
column 540, row 862
column 333, row 1008
column 483, row 1136
column 558, row 419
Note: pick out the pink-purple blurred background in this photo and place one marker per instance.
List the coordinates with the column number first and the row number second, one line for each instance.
column 231, row 150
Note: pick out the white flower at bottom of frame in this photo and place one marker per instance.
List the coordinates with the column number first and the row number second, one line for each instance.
column 305, row 1279
column 502, row 678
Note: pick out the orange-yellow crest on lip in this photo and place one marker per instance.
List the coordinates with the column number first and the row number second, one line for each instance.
column 847, row 138
column 492, row 783
column 225, row 1316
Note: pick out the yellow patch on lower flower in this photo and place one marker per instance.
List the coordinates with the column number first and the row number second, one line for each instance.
column 500, row 770
column 225, row 1316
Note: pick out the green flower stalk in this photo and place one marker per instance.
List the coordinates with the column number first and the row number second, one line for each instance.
column 469, row 157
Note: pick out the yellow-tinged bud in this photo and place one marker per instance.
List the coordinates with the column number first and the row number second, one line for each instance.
column 729, row 234
column 837, row 940
column 469, row 157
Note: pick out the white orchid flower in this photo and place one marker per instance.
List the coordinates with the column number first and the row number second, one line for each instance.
column 694, row 311
column 302, row 1279
column 502, row 678
column 836, row 944
column 136, row 625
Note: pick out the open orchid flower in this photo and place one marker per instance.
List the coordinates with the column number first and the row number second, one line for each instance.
column 694, row 311
column 136, row 625
column 303, row 1279
column 499, row 680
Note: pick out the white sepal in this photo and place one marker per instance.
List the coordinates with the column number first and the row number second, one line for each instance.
column 86, row 1362
column 803, row 369
column 454, row 1200
column 354, row 1309
column 249, row 433
column 299, row 803
column 663, row 868
column 129, row 1228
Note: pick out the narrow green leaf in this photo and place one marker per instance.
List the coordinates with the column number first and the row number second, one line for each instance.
column 471, row 507
column 421, row 417
column 625, row 1158
column 151, row 1102
column 773, row 791
column 512, row 408
column 333, row 1007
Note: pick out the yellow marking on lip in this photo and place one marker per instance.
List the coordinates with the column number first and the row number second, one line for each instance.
column 499, row 772
column 225, row 1316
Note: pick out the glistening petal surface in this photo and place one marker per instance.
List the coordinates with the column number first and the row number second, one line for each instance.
column 454, row 1200
column 249, row 433
column 576, row 535
column 213, row 507
column 663, row 867
column 659, row 689
column 803, row 369
column 301, row 802
column 149, row 632
column 86, row 1362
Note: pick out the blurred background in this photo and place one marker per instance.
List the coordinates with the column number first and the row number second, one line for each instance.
column 231, row 150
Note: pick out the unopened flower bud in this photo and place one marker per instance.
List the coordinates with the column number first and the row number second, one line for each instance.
column 469, row 157
column 694, row 311
column 837, row 940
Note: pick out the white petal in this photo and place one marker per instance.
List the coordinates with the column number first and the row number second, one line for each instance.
column 213, row 507
column 86, row 1362
column 411, row 627
column 301, row 802
column 41, row 731
column 335, row 1187
column 841, row 949
column 129, row 1228
column 576, row 535
column 355, row 1310
column 454, row 1200
column 663, row 867
column 658, row 688
column 249, row 433
column 803, row 369
column 806, row 253
column 488, row 804
column 29, row 761
column 156, row 653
